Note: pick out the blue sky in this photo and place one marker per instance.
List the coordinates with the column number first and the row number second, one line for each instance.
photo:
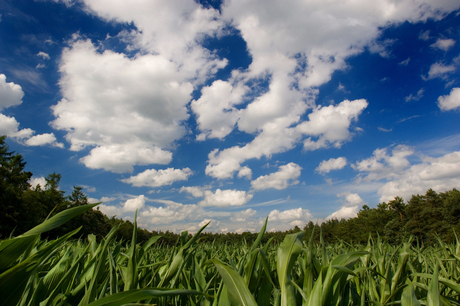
column 230, row 112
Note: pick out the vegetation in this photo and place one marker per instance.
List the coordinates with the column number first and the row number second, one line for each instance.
column 113, row 272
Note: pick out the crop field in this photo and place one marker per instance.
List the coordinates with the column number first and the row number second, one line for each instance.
column 110, row 272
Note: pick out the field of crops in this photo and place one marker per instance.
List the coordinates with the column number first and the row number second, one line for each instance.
column 85, row 272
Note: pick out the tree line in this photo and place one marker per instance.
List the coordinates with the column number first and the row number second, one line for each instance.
column 425, row 218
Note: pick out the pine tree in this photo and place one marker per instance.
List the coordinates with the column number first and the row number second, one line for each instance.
column 14, row 181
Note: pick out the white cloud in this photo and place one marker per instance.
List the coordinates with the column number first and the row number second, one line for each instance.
column 286, row 175
column 128, row 108
column 439, row 70
column 424, row 35
column 401, row 178
column 216, row 114
column 286, row 219
column 450, row 101
column 110, row 210
column 381, row 165
column 43, row 55
column 417, row 97
column 34, row 181
column 224, row 198
column 11, row 93
column 443, row 44
column 245, row 172
column 405, row 62
column 172, row 212
column 242, row 216
column 158, row 178
column 120, row 158
column 350, row 207
column 331, row 124
column 439, row 174
column 331, row 164
column 351, row 199
column 10, row 127
column 245, row 229
column 276, row 138
column 345, row 212
column 43, row 139
column 134, row 204
column 381, row 47
column 195, row 191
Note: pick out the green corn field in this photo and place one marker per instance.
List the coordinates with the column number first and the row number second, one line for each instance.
column 110, row 272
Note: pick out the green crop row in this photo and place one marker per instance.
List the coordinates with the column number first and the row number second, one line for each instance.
column 76, row 272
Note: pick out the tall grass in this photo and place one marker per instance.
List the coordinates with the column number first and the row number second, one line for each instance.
column 84, row 272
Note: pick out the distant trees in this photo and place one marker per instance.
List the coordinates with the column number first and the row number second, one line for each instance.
column 424, row 217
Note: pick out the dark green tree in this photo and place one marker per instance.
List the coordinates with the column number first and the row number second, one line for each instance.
column 13, row 183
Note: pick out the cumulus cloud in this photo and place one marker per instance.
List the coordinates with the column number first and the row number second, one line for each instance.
column 43, row 139
column 216, row 114
column 125, row 105
column 291, row 217
column 245, row 172
column 444, row 44
column 283, row 54
column 286, row 175
column 331, row 124
column 350, row 207
column 34, row 181
column 158, row 178
column 331, row 164
column 172, row 212
column 10, row 127
column 195, row 191
column 128, row 107
column 110, row 210
column 134, row 204
column 350, row 199
column 439, row 174
column 383, row 165
column 122, row 92
column 450, row 101
column 242, row 216
column 345, row 212
column 224, row 198
column 274, row 139
column 11, row 93
column 121, row 158
column 397, row 176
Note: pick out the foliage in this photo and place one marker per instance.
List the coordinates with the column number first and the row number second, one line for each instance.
column 84, row 272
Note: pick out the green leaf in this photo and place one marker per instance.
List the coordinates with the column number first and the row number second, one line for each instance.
column 408, row 297
column 135, row 295
column 237, row 290
column 287, row 254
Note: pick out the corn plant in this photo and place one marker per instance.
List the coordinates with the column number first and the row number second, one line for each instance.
column 110, row 272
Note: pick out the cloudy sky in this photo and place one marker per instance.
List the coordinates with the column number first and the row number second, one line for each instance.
column 230, row 112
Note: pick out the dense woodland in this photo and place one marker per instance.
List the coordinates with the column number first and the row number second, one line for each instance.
column 426, row 218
